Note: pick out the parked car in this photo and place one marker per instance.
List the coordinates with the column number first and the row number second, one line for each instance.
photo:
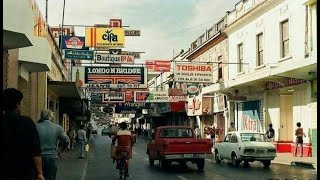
column 106, row 131
column 177, row 144
column 245, row 146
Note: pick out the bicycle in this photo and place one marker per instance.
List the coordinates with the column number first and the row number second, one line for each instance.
column 123, row 171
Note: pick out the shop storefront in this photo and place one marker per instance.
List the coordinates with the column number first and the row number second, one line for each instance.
column 219, row 119
column 207, row 114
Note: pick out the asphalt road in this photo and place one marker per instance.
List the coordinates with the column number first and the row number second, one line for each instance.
column 99, row 166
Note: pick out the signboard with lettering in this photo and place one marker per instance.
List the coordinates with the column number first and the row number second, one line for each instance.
column 237, row 98
column 113, row 97
column 249, row 116
column 289, row 82
column 198, row 73
column 193, row 89
column 194, row 106
column 78, row 54
column 218, row 103
column 110, row 77
column 104, row 37
column 151, row 96
column 158, row 65
column 130, row 107
column 207, row 106
column 111, row 58
column 132, row 32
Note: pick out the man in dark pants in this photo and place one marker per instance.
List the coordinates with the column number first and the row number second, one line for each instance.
column 21, row 146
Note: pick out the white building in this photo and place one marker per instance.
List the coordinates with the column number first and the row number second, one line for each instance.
column 273, row 46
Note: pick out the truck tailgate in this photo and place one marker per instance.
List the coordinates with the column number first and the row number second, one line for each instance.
column 187, row 145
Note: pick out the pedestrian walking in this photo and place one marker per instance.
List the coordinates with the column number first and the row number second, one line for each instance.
column 72, row 135
column 299, row 139
column 89, row 131
column 270, row 133
column 50, row 134
column 231, row 128
column 82, row 140
column 21, row 145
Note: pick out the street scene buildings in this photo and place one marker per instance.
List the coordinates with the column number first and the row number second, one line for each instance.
column 254, row 66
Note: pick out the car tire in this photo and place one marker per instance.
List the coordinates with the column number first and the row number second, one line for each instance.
column 235, row 162
column 266, row 163
column 217, row 157
column 200, row 164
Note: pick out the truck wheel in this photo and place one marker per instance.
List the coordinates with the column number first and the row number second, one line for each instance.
column 151, row 161
column 235, row 162
column 266, row 163
column 200, row 164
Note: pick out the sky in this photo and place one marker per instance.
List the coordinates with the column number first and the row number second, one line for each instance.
column 166, row 26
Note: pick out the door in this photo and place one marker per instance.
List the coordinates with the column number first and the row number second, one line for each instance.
column 224, row 150
column 286, row 121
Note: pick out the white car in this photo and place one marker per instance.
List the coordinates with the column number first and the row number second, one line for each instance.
column 245, row 146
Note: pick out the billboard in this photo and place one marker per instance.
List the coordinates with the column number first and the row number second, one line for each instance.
column 104, row 58
column 197, row 73
column 194, row 106
column 104, row 37
column 249, row 116
column 73, row 42
column 110, row 77
column 78, row 54
column 151, row 96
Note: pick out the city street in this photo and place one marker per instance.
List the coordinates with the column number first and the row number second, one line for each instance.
column 99, row 166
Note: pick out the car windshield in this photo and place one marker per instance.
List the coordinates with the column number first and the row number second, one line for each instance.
column 175, row 133
column 256, row 137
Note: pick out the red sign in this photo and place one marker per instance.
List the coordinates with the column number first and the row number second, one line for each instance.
column 177, row 106
column 158, row 65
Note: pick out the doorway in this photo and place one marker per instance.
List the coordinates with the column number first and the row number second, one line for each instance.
column 286, row 118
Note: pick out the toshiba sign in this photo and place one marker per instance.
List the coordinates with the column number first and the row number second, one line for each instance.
column 197, row 73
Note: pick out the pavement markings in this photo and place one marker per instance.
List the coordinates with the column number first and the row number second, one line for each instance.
column 181, row 177
column 84, row 171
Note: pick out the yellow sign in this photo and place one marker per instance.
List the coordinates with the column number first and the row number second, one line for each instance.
column 104, row 37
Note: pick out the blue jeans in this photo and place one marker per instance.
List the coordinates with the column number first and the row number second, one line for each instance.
column 82, row 152
column 49, row 166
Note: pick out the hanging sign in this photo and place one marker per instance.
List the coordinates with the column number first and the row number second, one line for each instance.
column 78, row 54
column 111, row 58
column 104, row 37
column 198, row 73
column 151, row 96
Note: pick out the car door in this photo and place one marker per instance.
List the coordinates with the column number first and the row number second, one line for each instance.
column 233, row 145
column 223, row 151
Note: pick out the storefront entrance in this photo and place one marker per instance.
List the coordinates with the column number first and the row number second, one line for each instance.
column 286, row 119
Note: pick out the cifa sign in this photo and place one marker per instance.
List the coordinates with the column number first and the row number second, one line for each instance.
column 198, row 73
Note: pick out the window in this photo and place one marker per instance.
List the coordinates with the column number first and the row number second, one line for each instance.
column 234, row 139
column 227, row 138
column 240, row 57
column 210, row 33
column 285, row 38
column 257, row 137
column 260, row 49
column 175, row 133
column 220, row 73
column 194, row 45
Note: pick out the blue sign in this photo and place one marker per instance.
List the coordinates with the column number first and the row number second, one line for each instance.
column 73, row 42
column 78, row 54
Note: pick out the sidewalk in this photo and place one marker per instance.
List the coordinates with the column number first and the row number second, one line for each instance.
column 70, row 167
column 289, row 159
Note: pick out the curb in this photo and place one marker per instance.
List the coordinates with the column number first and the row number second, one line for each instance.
column 296, row 163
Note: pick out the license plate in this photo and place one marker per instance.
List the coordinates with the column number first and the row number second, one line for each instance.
column 188, row 155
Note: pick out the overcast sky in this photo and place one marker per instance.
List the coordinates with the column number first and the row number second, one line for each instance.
column 165, row 25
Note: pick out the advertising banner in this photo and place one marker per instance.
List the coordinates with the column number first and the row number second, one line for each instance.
column 158, row 65
column 110, row 77
column 206, row 106
column 131, row 53
column 130, row 107
column 194, row 107
column 198, row 73
column 73, row 42
column 249, row 116
column 218, row 103
column 112, row 58
column 151, row 96
column 193, row 89
column 78, row 54
column 113, row 97
column 104, row 37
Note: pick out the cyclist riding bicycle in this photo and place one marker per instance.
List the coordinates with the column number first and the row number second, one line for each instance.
column 125, row 142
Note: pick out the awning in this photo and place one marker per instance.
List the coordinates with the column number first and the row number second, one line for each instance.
column 15, row 30
column 64, row 89
column 36, row 58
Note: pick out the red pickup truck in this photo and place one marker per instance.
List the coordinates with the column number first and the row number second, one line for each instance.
column 177, row 144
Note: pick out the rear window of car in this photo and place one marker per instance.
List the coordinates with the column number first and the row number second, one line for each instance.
column 175, row 133
column 253, row 137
